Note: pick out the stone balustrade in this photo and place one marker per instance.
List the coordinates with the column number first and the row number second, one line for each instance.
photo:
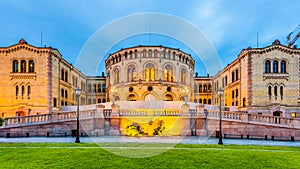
column 270, row 119
column 149, row 112
column 86, row 114
column 25, row 120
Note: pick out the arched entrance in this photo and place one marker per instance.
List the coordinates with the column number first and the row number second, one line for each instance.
column 149, row 97
column 132, row 97
column 20, row 114
column 168, row 97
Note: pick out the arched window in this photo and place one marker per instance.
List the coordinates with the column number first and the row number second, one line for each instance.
column 103, row 88
column 173, row 56
column 283, row 66
column 66, row 76
column 225, row 80
column 66, row 94
column 168, row 55
column 150, row 53
column 132, row 97
column 204, row 101
column 232, row 77
column 99, row 101
column 205, row 88
column 209, row 88
column 149, row 72
column 23, row 66
column 103, row 100
column 183, row 76
column 200, row 88
column 267, row 66
column 237, row 75
column 209, row 101
column 23, row 90
column 168, row 73
column 144, row 53
column 281, row 92
column 17, row 90
column 73, row 80
column 62, row 92
column 31, row 66
column 130, row 55
column 275, row 66
column 99, row 88
column 200, row 100
column 135, row 54
column 131, row 73
column 117, row 76
column 15, row 67
column 62, row 74
column 28, row 91
column 275, row 91
column 155, row 53
column 270, row 92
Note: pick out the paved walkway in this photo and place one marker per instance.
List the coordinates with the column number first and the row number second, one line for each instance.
column 171, row 140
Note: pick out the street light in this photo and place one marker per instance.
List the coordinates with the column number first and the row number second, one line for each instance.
column 78, row 92
column 220, row 92
column 113, row 91
column 186, row 91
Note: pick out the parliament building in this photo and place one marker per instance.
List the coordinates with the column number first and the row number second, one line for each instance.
column 38, row 80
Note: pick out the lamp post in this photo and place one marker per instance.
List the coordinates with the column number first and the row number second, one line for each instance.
column 220, row 92
column 113, row 91
column 78, row 92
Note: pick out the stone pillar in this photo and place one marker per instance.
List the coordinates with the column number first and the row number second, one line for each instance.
column 245, row 117
column 186, row 120
column 99, row 121
column 54, row 117
column 201, row 123
column 114, row 121
column 295, row 122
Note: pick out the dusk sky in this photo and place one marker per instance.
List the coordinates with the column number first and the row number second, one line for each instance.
column 230, row 25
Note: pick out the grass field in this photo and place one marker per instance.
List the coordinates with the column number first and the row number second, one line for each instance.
column 90, row 155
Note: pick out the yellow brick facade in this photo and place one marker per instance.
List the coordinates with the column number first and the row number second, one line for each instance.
column 31, row 81
column 38, row 80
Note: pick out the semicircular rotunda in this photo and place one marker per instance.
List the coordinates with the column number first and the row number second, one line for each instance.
column 156, row 72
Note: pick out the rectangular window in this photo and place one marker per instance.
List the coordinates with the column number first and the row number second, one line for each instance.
column 236, row 92
column 90, row 88
column 54, row 102
column 232, row 93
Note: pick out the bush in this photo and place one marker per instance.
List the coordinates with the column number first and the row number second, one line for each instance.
column 1, row 121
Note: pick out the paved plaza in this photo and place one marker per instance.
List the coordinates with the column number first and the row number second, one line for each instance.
column 171, row 140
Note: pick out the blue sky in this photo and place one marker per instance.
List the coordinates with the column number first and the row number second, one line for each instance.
column 230, row 25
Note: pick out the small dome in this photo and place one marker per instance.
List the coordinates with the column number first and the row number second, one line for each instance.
column 22, row 41
column 276, row 42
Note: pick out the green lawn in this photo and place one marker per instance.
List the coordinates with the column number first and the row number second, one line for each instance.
column 90, row 155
